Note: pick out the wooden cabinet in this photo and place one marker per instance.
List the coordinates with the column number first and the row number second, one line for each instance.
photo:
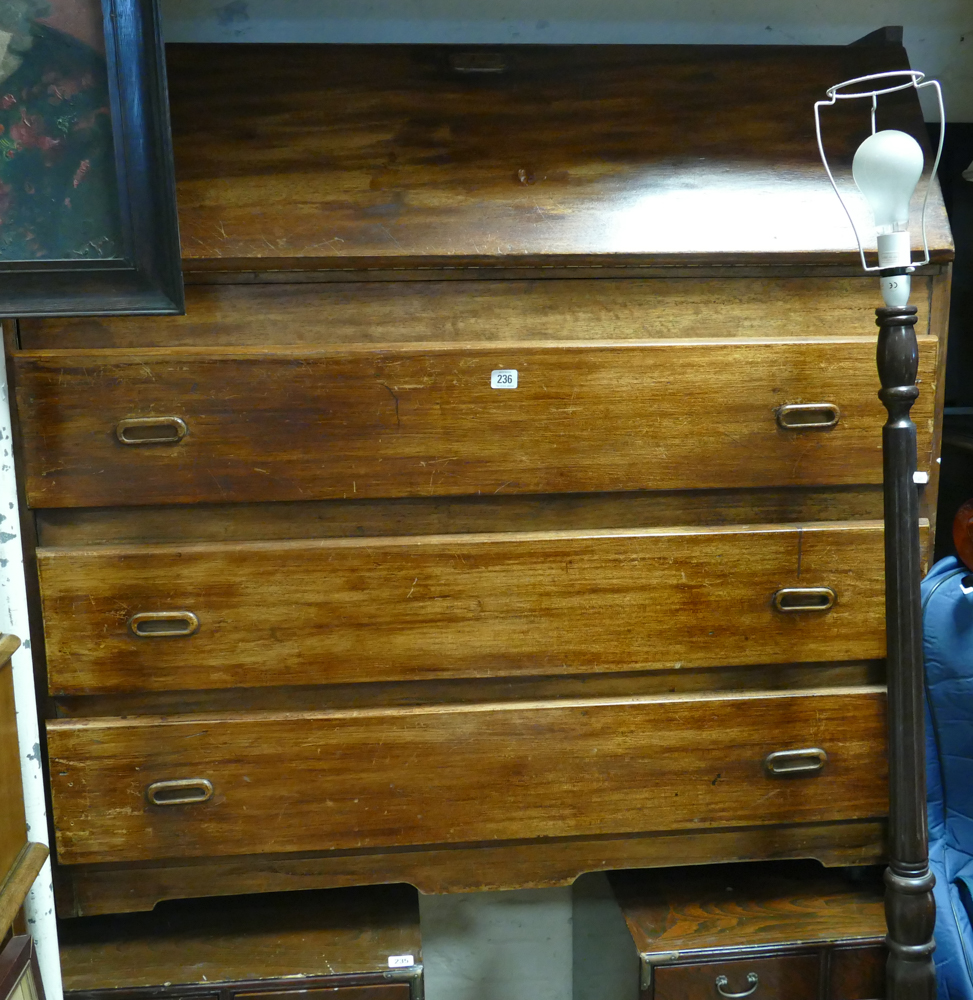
column 345, row 944
column 772, row 931
column 507, row 504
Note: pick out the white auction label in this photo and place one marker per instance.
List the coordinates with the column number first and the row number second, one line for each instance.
column 401, row 961
column 503, row 378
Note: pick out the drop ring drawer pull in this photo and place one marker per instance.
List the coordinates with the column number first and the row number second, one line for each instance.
column 808, row 416
column 793, row 599
column 182, row 792
column 151, row 430
column 786, row 762
column 163, row 624
column 722, row 982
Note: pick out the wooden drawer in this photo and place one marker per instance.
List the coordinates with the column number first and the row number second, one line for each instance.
column 317, row 611
column 787, row 977
column 369, row 778
column 858, row 973
column 298, row 424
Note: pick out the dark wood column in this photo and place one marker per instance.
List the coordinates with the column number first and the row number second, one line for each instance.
column 909, row 907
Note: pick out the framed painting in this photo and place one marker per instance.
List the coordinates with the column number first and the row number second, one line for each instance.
column 88, row 220
column 20, row 977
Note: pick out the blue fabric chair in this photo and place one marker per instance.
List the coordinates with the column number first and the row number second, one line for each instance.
column 947, row 603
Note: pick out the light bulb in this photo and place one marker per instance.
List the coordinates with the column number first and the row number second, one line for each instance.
column 887, row 168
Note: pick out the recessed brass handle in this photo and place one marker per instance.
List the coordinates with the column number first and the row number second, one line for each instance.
column 163, row 624
column 808, row 416
column 786, row 762
column 151, row 430
column 722, row 981
column 181, row 792
column 793, row 599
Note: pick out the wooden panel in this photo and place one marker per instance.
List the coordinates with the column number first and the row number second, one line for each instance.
column 260, row 937
column 554, row 861
column 302, row 425
column 858, row 973
column 13, row 828
column 791, row 977
column 746, row 906
column 390, row 154
column 413, row 608
column 370, row 778
column 383, row 312
column 474, row 690
column 84, row 526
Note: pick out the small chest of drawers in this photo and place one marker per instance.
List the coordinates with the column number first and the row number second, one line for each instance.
column 769, row 931
column 506, row 505
column 345, row 944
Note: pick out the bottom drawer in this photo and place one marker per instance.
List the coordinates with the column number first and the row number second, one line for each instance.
column 793, row 977
column 367, row 778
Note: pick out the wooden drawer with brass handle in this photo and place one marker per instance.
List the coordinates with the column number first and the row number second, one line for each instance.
column 223, row 615
column 189, row 426
column 370, row 778
column 778, row 930
column 791, row 977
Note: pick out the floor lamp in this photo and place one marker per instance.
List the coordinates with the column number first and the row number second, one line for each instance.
column 886, row 169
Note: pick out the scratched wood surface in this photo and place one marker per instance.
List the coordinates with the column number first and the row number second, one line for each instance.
column 259, row 937
column 298, row 424
column 362, row 779
column 386, row 153
column 434, row 607
column 492, row 311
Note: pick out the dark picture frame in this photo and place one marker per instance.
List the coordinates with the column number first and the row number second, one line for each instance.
column 20, row 975
column 145, row 277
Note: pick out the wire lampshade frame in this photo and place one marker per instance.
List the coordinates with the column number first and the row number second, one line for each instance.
column 890, row 82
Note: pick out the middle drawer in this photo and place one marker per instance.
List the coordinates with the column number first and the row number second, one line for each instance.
column 312, row 611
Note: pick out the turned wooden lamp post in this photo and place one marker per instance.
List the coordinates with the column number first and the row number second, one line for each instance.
column 886, row 168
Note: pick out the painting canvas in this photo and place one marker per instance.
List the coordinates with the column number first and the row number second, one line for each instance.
column 58, row 189
column 87, row 203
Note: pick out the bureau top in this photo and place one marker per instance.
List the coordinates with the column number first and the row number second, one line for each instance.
column 352, row 156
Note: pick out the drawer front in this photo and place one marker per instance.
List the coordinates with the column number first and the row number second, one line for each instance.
column 359, row 779
column 299, row 425
column 858, row 973
column 423, row 607
column 790, row 977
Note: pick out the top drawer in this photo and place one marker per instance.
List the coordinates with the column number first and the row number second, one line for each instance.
column 299, row 424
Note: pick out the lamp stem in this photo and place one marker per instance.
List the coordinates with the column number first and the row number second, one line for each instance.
column 910, row 911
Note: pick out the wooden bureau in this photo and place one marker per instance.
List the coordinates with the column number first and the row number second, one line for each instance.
column 506, row 505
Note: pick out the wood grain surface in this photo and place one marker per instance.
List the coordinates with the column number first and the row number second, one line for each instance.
column 378, row 778
column 337, row 932
column 428, row 607
column 552, row 861
column 389, row 153
column 693, row 910
column 491, row 311
column 476, row 690
column 301, row 425
column 175, row 523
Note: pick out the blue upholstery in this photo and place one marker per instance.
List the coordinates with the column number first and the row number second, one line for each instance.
column 948, row 653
